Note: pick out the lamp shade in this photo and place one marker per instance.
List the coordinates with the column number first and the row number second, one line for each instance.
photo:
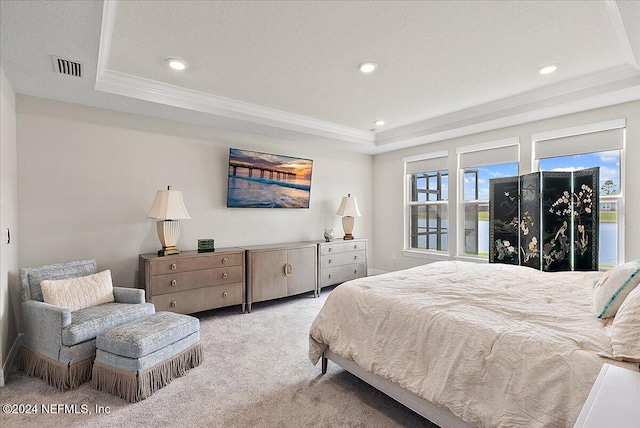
column 168, row 205
column 348, row 207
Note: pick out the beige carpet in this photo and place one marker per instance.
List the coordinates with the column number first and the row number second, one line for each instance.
column 256, row 373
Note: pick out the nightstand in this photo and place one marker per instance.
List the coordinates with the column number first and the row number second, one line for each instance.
column 340, row 261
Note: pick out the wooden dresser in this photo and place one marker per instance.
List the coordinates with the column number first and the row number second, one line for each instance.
column 280, row 270
column 340, row 261
column 191, row 282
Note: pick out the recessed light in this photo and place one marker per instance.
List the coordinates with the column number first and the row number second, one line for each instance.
column 548, row 69
column 367, row 67
column 379, row 122
column 176, row 64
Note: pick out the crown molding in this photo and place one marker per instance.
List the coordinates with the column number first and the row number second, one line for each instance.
column 556, row 109
column 150, row 90
column 623, row 83
column 621, row 32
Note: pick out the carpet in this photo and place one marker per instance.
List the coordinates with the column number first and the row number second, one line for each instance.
column 255, row 373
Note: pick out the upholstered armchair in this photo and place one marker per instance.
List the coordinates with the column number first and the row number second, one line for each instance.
column 60, row 344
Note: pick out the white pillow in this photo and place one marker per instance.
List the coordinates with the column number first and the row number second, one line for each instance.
column 625, row 338
column 79, row 293
column 612, row 288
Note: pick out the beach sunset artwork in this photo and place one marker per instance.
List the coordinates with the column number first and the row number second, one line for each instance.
column 264, row 180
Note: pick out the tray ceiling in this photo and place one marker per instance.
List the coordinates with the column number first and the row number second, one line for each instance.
column 289, row 69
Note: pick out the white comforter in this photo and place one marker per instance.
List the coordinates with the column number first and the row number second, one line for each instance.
column 498, row 345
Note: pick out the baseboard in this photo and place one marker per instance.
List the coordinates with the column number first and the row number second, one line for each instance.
column 11, row 359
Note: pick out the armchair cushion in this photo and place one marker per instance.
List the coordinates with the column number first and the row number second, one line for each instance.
column 30, row 278
column 79, row 293
column 87, row 323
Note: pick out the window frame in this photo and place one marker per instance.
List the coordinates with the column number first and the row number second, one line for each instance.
column 408, row 250
column 462, row 204
column 589, row 129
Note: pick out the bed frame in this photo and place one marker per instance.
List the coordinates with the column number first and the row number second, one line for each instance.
column 436, row 414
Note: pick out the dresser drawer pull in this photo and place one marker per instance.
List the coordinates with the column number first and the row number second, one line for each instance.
column 330, row 249
column 355, row 246
column 355, row 257
column 225, row 276
column 174, row 282
column 174, row 304
column 355, row 271
column 330, row 276
column 173, row 266
column 224, row 261
column 288, row 270
column 225, row 294
column 330, row 261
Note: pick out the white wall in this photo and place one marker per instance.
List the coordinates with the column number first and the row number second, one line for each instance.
column 388, row 179
column 9, row 288
column 88, row 177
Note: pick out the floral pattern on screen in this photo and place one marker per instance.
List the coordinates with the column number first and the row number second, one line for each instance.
column 546, row 240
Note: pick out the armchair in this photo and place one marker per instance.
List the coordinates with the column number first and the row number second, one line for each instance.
column 60, row 345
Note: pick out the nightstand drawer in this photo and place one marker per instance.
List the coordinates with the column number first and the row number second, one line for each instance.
column 343, row 258
column 180, row 281
column 341, row 247
column 187, row 302
column 338, row 274
column 173, row 265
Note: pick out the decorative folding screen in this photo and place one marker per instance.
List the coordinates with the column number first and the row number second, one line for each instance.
column 545, row 220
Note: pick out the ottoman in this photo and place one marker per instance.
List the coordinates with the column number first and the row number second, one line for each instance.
column 138, row 358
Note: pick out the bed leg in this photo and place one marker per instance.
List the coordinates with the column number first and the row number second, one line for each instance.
column 325, row 361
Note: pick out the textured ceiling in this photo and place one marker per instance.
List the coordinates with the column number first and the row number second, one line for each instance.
column 301, row 57
column 436, row 59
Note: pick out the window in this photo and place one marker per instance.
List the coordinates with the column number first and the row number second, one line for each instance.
column 427, row 203
column 604, row 149
column 479, row 164
column 476, row 205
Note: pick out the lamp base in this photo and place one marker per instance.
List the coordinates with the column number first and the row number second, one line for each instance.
column 347, row 225
column 167, row 251
column 168, row 233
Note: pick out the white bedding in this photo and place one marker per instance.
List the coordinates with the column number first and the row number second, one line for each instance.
column 498, row 345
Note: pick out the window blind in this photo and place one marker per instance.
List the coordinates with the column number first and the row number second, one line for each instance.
column 430, row 162
column 602, row 141
column 489, row 156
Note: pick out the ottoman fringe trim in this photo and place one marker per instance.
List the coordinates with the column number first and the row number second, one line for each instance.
column 56, row 373
column 136, row 386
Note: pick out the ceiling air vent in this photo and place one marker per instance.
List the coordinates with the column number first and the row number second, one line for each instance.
column 65, row 66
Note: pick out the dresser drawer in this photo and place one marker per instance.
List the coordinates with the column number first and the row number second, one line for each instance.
column 338, row 274
column 173, row 265
column 180, row 281
column 201, row 299
column 340, row 259
column 341, row 247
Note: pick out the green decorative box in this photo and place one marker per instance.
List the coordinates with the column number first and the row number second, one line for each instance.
column 206, row 245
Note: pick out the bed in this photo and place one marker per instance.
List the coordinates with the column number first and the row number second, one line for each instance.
column 467, row 344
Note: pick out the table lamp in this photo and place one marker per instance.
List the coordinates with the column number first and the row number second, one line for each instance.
column 168, row 208
column 348, row 210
